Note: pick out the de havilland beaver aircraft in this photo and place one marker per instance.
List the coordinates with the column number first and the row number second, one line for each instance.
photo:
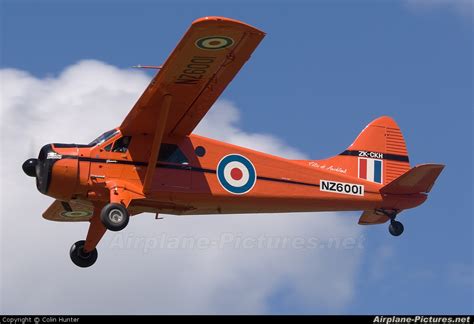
column 153, row 163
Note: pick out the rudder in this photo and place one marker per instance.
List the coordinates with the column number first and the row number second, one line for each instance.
column 378, row 154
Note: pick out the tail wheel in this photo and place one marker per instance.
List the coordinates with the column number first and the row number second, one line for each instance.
column 114, row 216
column 81, row 258
column 395, row 228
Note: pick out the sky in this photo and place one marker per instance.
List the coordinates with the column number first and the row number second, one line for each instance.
column 323, row 72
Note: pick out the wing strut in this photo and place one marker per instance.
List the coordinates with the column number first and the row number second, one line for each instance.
column 155, row 149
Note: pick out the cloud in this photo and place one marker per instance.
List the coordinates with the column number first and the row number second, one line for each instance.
column 259, row 263
column 462, row 7
column 226, row 113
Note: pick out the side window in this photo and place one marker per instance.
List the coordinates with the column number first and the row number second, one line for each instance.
column 121, row 145
column 108, row 147
column 171, row 153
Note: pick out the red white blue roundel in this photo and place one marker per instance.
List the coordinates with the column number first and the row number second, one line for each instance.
column 236, row 174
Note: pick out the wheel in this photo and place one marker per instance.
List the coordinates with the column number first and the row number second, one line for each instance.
column 114, row 217
column 81, row 258
column 395, row 228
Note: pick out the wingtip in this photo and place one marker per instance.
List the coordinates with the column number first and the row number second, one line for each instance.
column 226, row 21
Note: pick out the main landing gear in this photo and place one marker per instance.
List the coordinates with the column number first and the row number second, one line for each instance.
column 112, row 217
column 80, row 257
column 395, row 228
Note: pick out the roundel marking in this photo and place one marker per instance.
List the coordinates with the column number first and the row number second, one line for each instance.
column 236, row 174
column 77, row 213
column 214, row 43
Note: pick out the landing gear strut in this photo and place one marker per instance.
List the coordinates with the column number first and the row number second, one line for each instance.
column 395, row 228
column 113, row 216
column 84, row 253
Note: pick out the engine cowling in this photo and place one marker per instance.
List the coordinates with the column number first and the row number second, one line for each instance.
column 56, row 170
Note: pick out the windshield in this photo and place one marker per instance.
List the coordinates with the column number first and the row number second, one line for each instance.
column 102, row 138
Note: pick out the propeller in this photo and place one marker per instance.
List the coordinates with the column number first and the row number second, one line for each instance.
column 29, row 166
column 32, row 148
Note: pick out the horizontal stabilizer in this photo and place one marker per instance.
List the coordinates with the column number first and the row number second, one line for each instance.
column 419, row 179
column 372, row 217
column 72, row 211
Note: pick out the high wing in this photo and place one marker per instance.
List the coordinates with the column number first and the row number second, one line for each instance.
column 204, row 62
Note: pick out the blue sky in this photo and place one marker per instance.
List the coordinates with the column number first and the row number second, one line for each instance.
column 324, row 70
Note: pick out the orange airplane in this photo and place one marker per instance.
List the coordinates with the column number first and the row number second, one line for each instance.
column 153, row 163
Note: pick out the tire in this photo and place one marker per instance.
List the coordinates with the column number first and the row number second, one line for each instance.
column 114, row 216
column 81, row 258
column 395, row 228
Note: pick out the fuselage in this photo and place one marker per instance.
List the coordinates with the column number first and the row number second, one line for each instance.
column 198, row 175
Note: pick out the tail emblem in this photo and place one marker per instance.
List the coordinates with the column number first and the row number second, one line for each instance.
column 371, row 170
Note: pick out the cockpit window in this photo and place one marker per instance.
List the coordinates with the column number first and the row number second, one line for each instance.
column 102, row 138
column 171, row 153
column 121, row 145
